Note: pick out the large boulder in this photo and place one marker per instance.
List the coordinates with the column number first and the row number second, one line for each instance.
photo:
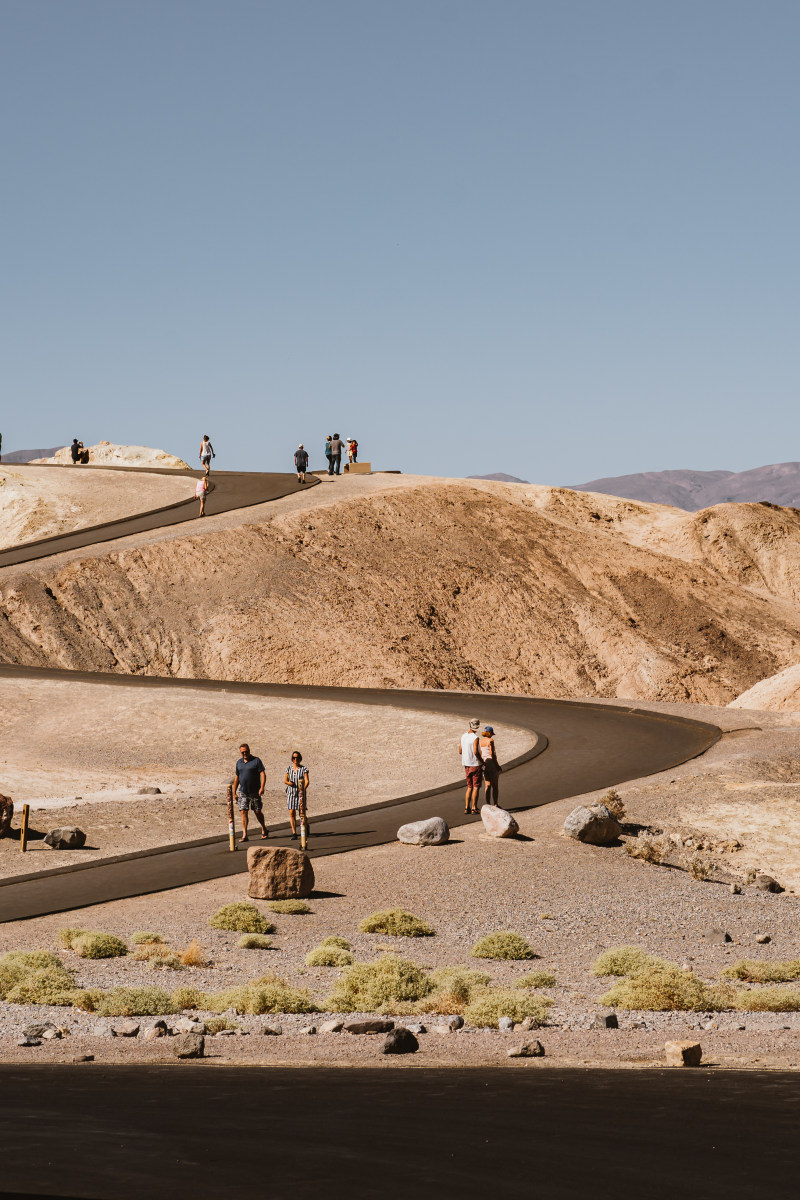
column 497, row 822
column 400, row 1041
column 683, row 1054
column 188, row 1045
column 595, row 825
column 433, row 832
column 6, row 813
column 279, row 873
column 67, row 838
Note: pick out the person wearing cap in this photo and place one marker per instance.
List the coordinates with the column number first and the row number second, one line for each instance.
column 491, row 767
column 468, row 748
column 301, row 463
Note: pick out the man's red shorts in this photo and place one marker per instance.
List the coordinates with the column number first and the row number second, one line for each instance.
column 474, row 776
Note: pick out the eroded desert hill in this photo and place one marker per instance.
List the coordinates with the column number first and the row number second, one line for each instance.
column 436, row 583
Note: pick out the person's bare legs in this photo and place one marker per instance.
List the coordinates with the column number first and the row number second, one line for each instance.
column 293, row 821
column 244, row 837
column 259, row 816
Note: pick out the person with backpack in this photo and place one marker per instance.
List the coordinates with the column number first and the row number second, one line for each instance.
column 337, row 446
column 329, row 453
column 301, row 463
column 352, row 450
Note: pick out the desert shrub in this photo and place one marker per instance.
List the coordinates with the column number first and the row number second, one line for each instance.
column 267, row 994
column 254, row 941
column 131, row 1002
column 166, row 961
column 624, row 960
column 147, row 951
column 750, row 875
column 753, row 971
column 335, row 940
column 241, row 918
column 193, row 956
column 537, row 979
column 368, row 987
column 489, row 1005
column 65, row 937
column 329, row 956
column 296, row 908
column 49, row 985
column 768, row 999
column 649, row 847
column 699, row 868
column 666, row 988
column 454, row 987
column 143, row 938
column 88, row 999
column 99, row 945
column 614, row 803
column 186, row 996
column 17, row 964
column 396, row 922
column 217, row 1024
column 503, row 945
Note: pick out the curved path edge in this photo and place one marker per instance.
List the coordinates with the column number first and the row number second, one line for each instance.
column 580, row 747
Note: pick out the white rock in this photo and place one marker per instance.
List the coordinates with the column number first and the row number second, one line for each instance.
column 497, row 822
column 433, row 832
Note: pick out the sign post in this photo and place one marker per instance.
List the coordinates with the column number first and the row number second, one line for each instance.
column 231, row 826
column 23, row 834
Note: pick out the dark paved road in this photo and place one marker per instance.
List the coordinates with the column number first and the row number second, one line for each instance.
column 581, row 747
column 199, row 1131
column 231, row 490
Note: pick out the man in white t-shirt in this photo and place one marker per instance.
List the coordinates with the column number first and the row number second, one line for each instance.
column 473, row 769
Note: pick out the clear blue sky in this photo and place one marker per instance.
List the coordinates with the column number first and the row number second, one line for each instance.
column 553, row 238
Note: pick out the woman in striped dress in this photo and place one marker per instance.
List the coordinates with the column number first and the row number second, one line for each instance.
column 296, row 781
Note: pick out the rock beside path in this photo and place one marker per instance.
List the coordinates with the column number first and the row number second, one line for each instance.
column 69, row 837
column 766, row 883
column 188, row 1045
column 125, row 1029
column 433, row 832
column 279, row 873
column 497, row 822
column 400, row 1041
column 683, row 1054
column 527, row 1050
column 595, row 826
column 369, row 1025
column 6, row 813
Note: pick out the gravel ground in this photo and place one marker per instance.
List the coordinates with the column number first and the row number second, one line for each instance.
column 571, row 901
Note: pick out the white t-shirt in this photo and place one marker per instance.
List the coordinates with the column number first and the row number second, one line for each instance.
column 468, row 756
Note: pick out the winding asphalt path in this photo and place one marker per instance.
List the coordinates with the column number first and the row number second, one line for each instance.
column 579, row 747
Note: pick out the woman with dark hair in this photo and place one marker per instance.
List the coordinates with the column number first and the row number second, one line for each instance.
column 296, row 780
column 491, row 767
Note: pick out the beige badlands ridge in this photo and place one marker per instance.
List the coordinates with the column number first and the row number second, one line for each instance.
column 109, row 454
column 408, row 581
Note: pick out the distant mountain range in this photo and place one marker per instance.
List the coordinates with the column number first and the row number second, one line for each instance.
column 778, row 483
column 23, row 456
column 501, row 477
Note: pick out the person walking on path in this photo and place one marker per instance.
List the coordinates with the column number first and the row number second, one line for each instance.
column 491, row 767
column 337, row 446
column 248, row 788
column 206, row 453
column 468, row 748
column 301, row 463
column 329, row 453
column 201, row 491
column 296, row 780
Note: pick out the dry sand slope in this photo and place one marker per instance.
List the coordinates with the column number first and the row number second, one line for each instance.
column 409, row 581
column 40, row 502
column 110, row 454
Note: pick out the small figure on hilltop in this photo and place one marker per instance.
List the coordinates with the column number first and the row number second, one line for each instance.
column 352, row 450
column 301, row 463
column 78, row 452
column 206, row 453
column 468, row 748
column 335, row 464
column 248, row 788
column 491, row 767
column 328, row 453
column 201, row 491
column 296, row 780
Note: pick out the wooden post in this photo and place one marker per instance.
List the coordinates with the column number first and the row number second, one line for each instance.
column 231, row 826
column 303, row 825
column 23, row 833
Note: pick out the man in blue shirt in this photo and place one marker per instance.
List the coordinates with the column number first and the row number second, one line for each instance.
column 248, row 787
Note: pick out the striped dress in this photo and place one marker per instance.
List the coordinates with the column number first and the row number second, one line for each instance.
column 296, row 774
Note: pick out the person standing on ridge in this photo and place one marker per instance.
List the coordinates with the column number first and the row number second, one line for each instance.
column 337, row 446
column 301, row 463
column 201, row 491
column 328, row 453
column 468, row 749
column 248, row 788
column 352, row 450
column 206, row 453
column 491, row 767
column 296, row 780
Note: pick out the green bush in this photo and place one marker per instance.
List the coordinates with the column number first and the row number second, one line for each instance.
column 369, row 987
column 35, row 977
column 624, row 960
column 187, row 996
column 65, row 937
column 396, row 922
column 753, row 971
column 254, row 941
column 329, row 956
column 666, row 988
column 241, row 918
column 166, row 961
column 297, row 908
column 454, row 987
column 537, row 979
column 267, row 994
column 92, row 945
column 217, row 1024
column 16, row 964
column 503, row 945
column 489, row 1005
column 768, row 999
column 335, row 940
column 143, row 938
column 127, row 1002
